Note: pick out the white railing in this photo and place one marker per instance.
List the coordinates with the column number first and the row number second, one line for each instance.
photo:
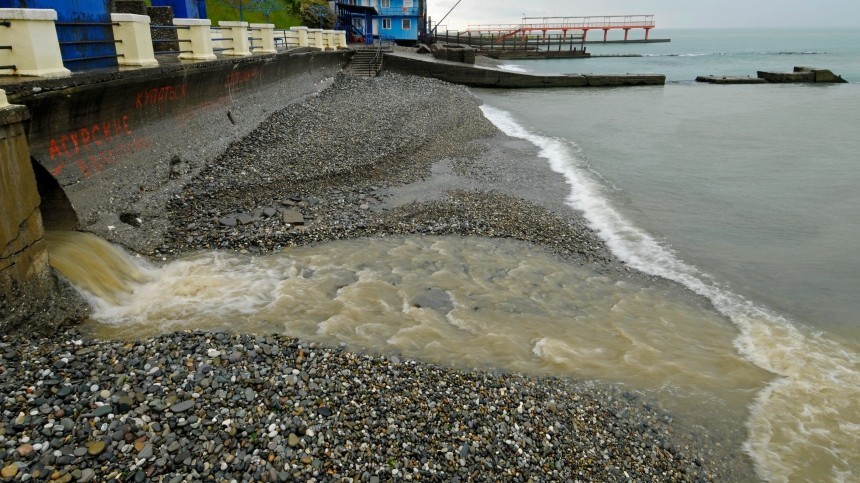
column 29, row 45
column 570, row 23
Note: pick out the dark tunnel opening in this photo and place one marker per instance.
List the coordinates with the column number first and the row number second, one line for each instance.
column 57, row 210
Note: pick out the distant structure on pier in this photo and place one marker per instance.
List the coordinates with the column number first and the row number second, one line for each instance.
column 577, row 26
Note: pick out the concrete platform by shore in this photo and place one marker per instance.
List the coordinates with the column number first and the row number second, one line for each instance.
column 728, row 79
column 809, row 75
column 478, row 76
column 535, row 54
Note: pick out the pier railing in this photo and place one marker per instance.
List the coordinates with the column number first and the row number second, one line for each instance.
column 29, row 44
column 569, row 23
column 565, row 24
column 496, row 42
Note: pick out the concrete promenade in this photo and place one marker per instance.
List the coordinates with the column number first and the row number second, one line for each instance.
column 478, row 76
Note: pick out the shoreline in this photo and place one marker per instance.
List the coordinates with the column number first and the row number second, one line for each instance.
column 448, row 172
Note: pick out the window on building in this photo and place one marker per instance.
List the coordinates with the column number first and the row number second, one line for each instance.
column 385, row 3
column 358, row 22
column 407, row 24
column 386, row 23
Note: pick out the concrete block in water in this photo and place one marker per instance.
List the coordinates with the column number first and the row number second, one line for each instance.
column 810, row 75
column 821, row 75
column 717, row 79
column 786, row 77
column 625, row 80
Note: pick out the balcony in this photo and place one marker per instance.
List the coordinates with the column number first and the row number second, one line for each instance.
column 399, row 12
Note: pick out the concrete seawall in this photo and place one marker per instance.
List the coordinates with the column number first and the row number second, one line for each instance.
column 30, row 295
column 23, row 256
column 114, row 146
column 476, row 76
column 108, row 150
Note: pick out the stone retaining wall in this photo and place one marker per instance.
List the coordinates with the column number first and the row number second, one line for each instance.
column 24, row 267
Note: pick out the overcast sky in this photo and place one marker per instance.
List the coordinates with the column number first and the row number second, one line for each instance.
column 669, row 13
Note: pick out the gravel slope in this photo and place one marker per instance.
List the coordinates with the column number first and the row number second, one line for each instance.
column 224, row 407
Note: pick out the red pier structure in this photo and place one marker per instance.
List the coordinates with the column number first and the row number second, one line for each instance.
column 566, row 24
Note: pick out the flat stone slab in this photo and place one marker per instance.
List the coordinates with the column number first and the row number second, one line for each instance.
column 724, row 79
column 293, row 217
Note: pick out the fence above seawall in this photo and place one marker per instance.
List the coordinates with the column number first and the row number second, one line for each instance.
column 34, row 43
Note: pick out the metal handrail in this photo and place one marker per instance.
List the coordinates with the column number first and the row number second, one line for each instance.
column 79, row 42
column 85, row 24
column 95, row 57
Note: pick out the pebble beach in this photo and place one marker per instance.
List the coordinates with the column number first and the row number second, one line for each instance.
column 195, row 406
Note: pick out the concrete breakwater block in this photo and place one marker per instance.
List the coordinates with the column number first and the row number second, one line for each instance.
column 802, row 74
column 724, row 79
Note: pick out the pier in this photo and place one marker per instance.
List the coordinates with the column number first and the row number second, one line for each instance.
column 547, row 37
column 546, row 25
column 551, row 46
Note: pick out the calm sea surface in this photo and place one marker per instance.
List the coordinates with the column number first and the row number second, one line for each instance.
column 749, row 195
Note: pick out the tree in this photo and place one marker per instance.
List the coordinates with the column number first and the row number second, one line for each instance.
column 264, row 6
column 316, row 13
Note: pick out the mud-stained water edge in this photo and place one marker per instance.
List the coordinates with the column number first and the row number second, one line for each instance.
column 466, row 302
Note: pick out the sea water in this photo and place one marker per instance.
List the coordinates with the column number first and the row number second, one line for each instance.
column 747, row 194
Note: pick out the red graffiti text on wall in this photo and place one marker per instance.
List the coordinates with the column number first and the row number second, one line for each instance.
column 161, row 95
column 91, row 148
column 235, row 79
column 95, row 163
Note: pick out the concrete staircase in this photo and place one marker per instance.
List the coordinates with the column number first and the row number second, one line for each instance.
column 367, row 62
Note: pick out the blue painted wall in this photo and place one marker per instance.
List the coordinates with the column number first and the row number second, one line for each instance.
column 396, row 12
column 98, row 50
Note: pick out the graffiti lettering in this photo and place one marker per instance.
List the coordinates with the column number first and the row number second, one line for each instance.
column 237, row 78
column 72, row 144
column 161, row 95
column 92, row 164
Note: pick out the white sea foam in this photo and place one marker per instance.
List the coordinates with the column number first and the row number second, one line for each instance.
column 804, row 424
column 733, row 54
column 513, row 68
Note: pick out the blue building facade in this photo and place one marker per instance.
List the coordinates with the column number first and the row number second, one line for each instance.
column 401, row 21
